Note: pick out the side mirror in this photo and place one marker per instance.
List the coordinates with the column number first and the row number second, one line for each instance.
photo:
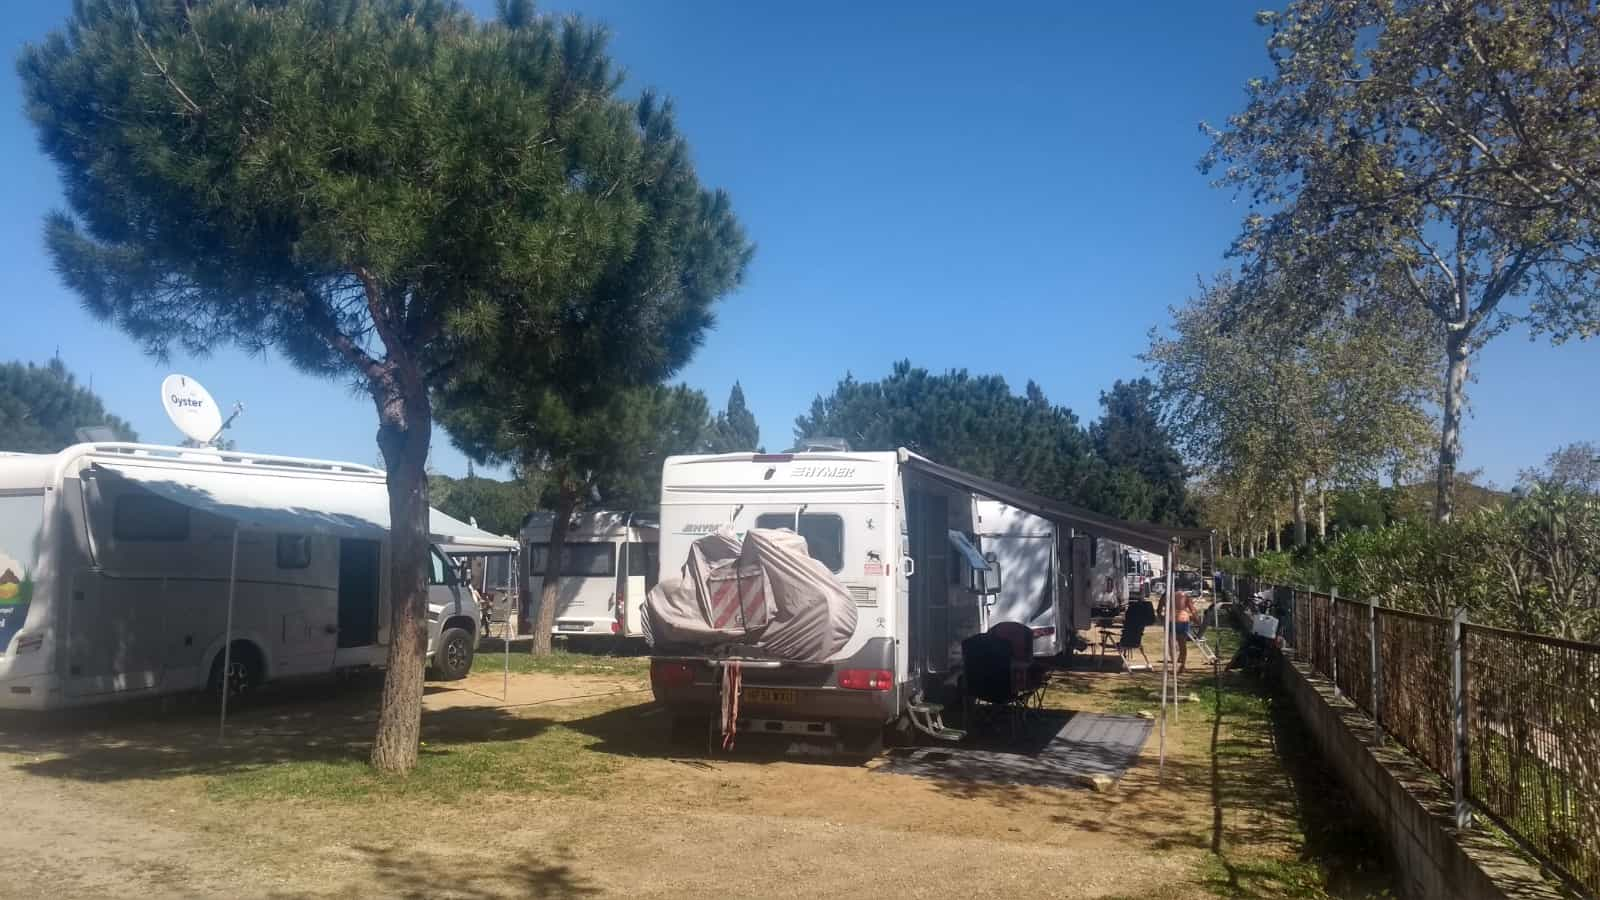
column 990, row 577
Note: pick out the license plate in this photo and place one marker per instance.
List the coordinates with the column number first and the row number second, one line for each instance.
column 775, row 696
column 571, row 626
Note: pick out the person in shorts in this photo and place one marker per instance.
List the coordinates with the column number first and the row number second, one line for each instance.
column 1184, row 613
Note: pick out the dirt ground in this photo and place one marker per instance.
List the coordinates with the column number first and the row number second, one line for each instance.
column 145, row 801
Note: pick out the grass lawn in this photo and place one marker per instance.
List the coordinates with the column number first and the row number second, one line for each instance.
column 569, row 783
column 489, row 660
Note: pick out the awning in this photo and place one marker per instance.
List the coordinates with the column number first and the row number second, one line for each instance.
column 455, row 536
column 1144, row 535
column 339, row 504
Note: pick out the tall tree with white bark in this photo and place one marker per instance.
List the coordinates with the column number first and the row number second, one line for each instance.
column 1454, row 143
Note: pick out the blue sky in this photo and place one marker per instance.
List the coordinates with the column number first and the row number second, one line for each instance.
column 1011, row 189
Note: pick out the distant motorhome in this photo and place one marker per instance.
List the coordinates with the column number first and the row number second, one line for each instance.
column 116, row 562
column 608, row 563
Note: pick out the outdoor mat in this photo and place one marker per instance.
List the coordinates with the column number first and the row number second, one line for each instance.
column 1059, row 750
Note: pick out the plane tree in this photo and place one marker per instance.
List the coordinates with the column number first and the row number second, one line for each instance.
column 1455, row 145
column 377, row 190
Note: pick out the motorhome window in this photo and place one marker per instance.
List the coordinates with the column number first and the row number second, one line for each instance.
column 439, row 571
column 294, row 551
column 1094, row 551
column 585, row 560
column 147, row 517
column 824, row 535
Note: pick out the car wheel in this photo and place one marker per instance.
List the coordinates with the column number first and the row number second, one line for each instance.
column 453, row 659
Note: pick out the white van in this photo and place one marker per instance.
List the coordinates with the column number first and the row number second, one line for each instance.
column 116, row 562
column 608, row 563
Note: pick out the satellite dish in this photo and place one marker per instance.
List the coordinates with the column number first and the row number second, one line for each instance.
column 190, row 407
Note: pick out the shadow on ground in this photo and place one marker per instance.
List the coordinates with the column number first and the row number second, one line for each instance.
column 319, row 721
column 412, row 875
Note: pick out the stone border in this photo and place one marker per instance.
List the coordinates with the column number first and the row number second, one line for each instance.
column 1412, row 805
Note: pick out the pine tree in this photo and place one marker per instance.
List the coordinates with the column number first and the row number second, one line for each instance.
column 735, row 428
column 384, row 190
column 42, row 407
column 1130, row 435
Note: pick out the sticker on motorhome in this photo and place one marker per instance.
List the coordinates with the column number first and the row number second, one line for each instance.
column 819, row 471
column 16, row 591
column 872, row 568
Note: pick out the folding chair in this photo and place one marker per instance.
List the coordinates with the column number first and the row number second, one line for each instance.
column 1125, row 641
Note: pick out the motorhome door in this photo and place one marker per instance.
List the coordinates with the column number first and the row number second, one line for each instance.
column 359, row 570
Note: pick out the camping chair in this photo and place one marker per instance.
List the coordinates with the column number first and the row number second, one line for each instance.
column 1027, row 673
column 994, row 678
column 1124, row 641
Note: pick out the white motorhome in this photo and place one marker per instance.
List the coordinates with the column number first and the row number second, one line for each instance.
column 121, row 563
column 1137, row 574
column 1105, row 564
column 1034, row 588
column 608, row 564
column 897, row 537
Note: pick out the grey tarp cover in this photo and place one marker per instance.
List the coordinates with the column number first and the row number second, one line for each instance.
column 765, row 594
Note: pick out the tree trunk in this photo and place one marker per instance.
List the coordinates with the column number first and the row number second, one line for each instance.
column 550, row 592
column 1297, row 492
column 405, row 428
column 1277, row 535
column 1322, row 514
column 1455, row 389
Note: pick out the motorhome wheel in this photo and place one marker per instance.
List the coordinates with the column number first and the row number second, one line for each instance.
column 244, row 672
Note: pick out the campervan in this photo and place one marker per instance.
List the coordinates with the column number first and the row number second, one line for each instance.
column 1028, row 551
column 897, row 536
column 125, row 570
column 608, row 564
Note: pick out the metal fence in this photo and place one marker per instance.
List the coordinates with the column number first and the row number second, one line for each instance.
column 1510, row 720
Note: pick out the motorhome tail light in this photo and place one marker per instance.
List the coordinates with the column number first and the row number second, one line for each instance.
column 772, row 457
column 865, row 680
column 671, row 674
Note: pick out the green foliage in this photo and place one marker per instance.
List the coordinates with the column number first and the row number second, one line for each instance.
column 1273, row 410
column 1447, row 153
column 735, row 427
column 609, row 455
column 499, row 506
column 975, row 423
column 385, row 190
column 1532, row 564
column 1131, row 439
column 41, row 407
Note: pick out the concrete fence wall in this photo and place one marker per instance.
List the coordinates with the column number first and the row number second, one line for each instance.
column 1411, row 805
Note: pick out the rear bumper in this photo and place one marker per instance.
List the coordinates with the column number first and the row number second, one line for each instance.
column 583, row 626
column 813, row 689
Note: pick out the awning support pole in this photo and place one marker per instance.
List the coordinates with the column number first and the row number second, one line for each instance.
column 1166, row 629
column 505, row 645
column 227, row 633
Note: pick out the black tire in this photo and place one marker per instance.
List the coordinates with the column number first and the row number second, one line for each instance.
column 452, row 659
column 245, row 673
